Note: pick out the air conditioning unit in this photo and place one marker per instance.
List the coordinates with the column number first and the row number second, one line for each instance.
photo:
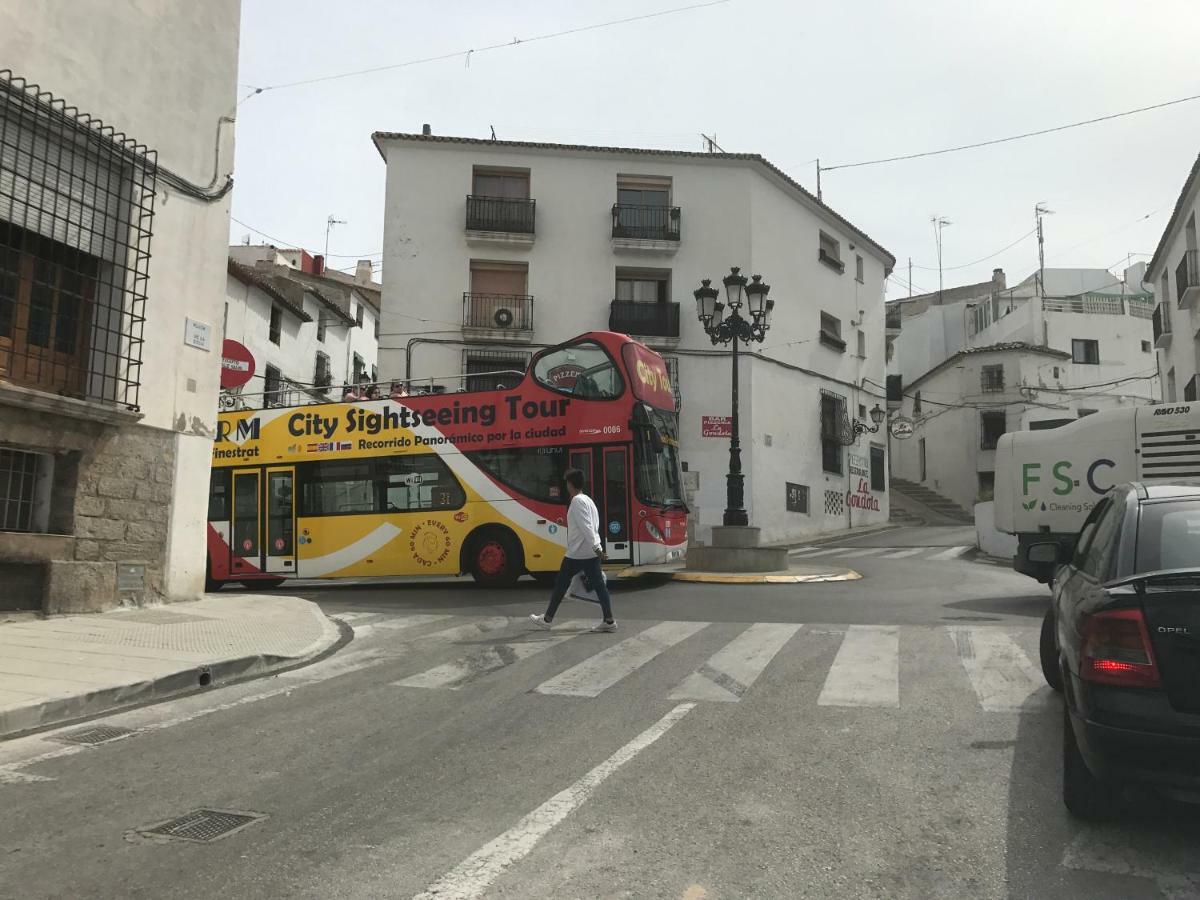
column 503, row 317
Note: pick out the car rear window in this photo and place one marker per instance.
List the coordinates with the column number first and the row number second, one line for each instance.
column 1169, row 536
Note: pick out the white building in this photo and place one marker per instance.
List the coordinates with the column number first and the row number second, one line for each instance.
column 1008, row 359
column 115, row 133
column 307, row 333
column 1174, row 270
column 555, row 240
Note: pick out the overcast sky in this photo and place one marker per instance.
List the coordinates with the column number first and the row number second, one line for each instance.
column 790, row 80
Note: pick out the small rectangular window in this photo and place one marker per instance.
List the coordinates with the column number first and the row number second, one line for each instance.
column 24, row 490
column 992, row 425
column 276, row 324
column 358, row 314
column 833, row 411
column 322, row 374
column 360, row 368
column 862, row 412
column 1147, row 347
column 917, row 403
column 858, row 268
column 272, row 395
column 218, row 496
column 830, row 334
column 643, row 285
column 376, row 327
column 877, row 467
column 830, row 252
column 505, row 184
column 862, row 344
column 321, row 323
column 992, row 379
column 1086, row 352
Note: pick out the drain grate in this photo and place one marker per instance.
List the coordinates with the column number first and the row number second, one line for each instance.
column 94, row 734
column 202, row 826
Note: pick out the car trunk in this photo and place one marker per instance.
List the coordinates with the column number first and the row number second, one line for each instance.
column 1172, row 607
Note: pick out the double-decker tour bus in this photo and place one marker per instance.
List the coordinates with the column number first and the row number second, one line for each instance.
column 451, row 483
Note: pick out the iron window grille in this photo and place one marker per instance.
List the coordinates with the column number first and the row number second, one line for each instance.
column 276, row 328
column 19, row 490
column 76, row 210
column 833, row 427
column 493, row 370
column 992, row 379
column 991, row 426
column 272, row 387
column 323, row 374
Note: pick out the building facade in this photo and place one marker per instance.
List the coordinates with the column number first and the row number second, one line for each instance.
column 309, row 335
column 115, row 134
column 1008, row 359
column 493, row 249
column 1174, row 271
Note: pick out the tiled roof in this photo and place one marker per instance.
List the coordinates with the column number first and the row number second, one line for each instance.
column 1176, row 215
column 1007, row 347
column 755, row 158
column 271, row 285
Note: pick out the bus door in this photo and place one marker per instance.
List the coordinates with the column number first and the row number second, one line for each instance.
column 606, row 481
column 245, row 526
column 279, row 550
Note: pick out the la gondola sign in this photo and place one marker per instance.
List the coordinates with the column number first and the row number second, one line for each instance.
column 902, row 428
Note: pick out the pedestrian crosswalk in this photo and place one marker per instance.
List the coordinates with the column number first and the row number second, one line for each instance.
column 937, row 554
column 883, row 667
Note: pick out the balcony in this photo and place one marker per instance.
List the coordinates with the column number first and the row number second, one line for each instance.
column 1187, row 279
column 892, row 319
column 501, row 221
column 498, row 317
column 1162, row 325
column 1190, row 389
column 657, row 324
column 895, row 391
column 650, row 229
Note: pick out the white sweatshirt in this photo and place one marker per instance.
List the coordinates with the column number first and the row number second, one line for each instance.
column 583, row 528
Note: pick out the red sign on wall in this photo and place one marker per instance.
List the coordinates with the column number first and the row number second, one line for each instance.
column 237, row 364
column 716, row 426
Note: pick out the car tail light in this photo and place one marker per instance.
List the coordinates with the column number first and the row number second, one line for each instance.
column 1116, row 650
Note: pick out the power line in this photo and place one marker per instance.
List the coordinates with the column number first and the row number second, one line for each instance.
column 982, row 259
column 471, row 52
column 288, row 244
column 1015, row 137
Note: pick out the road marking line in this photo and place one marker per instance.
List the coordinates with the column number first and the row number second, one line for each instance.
column 826, row 552
column 1002, row 675
column 731, row 671
column 406, row 622
column 459, row 672
column 475, row 874
column 866, row 670
column 862, row 551
column 900, row 554
column 952, row 553
column 602, row 671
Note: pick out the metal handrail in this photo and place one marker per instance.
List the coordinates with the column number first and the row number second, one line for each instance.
column 509, row 312
column 500, row 214
column 397, row 389
column 652, row 223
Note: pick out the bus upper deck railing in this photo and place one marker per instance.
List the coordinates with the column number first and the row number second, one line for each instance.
column 293, row 394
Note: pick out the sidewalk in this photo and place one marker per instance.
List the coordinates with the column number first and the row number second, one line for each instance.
column 797, row 573
column 69, row 667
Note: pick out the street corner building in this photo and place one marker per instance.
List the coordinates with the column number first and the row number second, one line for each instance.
column 116, row 137
column 510, row 246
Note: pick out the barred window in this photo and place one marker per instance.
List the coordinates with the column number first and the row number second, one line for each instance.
column 24, row 490
column 493, row 370
column 76, row 203
column 323, row 375
column 992, row 379
column 833, row 411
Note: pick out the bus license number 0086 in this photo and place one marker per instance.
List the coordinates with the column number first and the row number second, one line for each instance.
column 611, row 429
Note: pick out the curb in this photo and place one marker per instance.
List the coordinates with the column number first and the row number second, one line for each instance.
column 58, row 712
column 763, row 577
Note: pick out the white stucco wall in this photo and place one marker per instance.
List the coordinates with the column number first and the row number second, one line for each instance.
column 163, row 72
column 1182, row 352
column 988, row 538
column 733, row 213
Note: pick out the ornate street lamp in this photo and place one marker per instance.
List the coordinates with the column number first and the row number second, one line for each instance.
column 877, row 416
column 724, row 323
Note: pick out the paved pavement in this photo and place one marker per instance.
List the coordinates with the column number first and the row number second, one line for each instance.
column 888, row 737
column 63, row 668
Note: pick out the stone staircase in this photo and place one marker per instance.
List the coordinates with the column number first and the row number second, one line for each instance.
column 934, row 509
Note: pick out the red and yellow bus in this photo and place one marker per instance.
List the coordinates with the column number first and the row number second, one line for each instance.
column 453, row 483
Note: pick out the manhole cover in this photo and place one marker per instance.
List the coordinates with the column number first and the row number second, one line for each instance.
column 201, row 826
column 94, row 734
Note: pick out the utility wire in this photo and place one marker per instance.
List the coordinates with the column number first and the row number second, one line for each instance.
column 982, row 259
column 1015, row 137
column 288, row 244
column 469, row 53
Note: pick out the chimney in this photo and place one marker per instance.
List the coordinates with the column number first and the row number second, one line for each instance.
column 998, row 279
column 363, row 272
column 318, row 264
column 426, row 130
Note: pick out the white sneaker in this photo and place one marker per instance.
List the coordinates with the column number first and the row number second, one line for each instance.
column 539, row 621
column 604, row 628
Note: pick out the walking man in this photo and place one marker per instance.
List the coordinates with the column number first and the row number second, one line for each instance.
column 584, row 554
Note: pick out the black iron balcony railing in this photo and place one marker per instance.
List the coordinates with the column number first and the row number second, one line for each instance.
column 1187, row 274
column 1161, row 321
column 1190, row 389
column 646, row 319
column 500, row 214
column 892, row 318
column 647, row 223
column 507, row 312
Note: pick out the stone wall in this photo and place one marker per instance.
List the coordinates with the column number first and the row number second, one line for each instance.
column 111, row 499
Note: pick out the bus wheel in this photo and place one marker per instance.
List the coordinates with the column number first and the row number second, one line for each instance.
column 495, row 559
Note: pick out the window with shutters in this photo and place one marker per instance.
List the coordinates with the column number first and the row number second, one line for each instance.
column 498, row 298
column 323, row 375
column 76, row 203
column 833, row 413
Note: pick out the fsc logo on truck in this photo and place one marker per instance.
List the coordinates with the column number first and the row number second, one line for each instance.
column 1065, row 484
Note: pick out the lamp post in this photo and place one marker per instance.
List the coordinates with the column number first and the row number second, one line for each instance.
column 724, row 323
column 877, row 417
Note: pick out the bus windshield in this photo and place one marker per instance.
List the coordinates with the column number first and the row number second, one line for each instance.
column 656, row 457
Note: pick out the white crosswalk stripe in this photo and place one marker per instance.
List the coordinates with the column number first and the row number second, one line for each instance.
column 595, row 675
column 455, row 674
column 1001, row 673
column 900, row 554
column 952, row 553
column 866, row 670
column 936, row 553
column 731, row 671
column 854, row 552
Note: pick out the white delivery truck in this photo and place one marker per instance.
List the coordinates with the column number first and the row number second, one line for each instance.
column 1048, row 481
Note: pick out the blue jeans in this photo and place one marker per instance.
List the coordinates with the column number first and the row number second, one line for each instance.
column 592, row 572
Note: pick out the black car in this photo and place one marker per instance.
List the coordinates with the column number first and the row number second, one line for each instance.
column 1122, row 643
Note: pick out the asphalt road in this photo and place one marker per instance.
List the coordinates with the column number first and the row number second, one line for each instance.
column 887, row 737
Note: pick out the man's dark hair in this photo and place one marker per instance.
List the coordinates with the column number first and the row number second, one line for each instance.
column 574, row 478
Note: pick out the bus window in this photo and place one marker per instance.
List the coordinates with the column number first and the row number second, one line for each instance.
column 584, row 370
column 656, row 457
column 536, row 472
column 245, row 519
column 378, row 485
column 218, row 496
column 337, row 487
column 418, row 482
